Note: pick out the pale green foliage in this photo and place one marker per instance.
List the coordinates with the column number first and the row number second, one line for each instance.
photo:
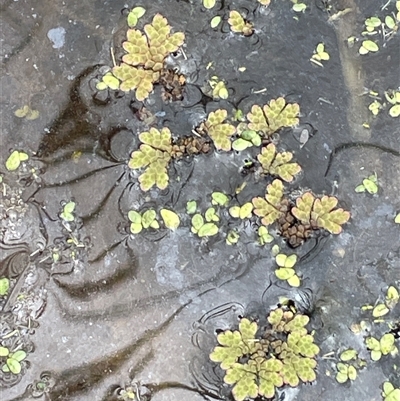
column 369, row 184
column 241, row 212
column 392, row 297
column 380, row 310
column 235, row 344
column 238, row 24
column 26, row 112
column 13, row 360
column 264, row 237
column 348, row 355
column 170, row 218
column 15, row 159
column 68, row 209
column 191, row 207
column 219, row 198
column 141, row 221
column 145, row 55
column 345, row 372
column 286, row 269
column 218, row 87
column 257, row 365
column 298, row 6
column 4, row 286
column 153, row 155
column 273, row 116
column 246, row 139
column 232, row 237
column 393, row 97
column 320, row 212
column 368, row 46
column 277, row 164
column 390, row 393
column 209, row 4
column 217, row 130
column 205, row 227
column 268, row 207
column 320, row 54
column 134, row 15
column 384, row 346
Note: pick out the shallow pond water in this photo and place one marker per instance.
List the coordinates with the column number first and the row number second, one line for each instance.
column 97, row 308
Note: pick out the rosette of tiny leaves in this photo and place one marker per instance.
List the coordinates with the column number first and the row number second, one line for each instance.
column 154, row 155
column 239, row 25
column 219, row 131
column 273, row 116
column 269, row 207
column 277, row 164
column 320, row 212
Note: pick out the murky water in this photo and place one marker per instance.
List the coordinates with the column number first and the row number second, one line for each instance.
column 98, row 309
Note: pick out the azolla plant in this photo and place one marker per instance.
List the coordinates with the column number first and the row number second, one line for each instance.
column 143, row 65
column 258, row 360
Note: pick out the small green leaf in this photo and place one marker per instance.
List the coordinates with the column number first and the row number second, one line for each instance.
column 370, row 45
column 134, row 217
column 20, row 113
column 284, row 273
column 209, row 4
column 397, row 218
column 283, row 260
column 380, row 310
column 170, row 218
column 4, row 287
column 294, row 281
column 131, row 20
column 219, row 198
column 138, row 11
column 215, row 21
column 19, row 355
column 352, row 373
column 111, row 81
column 232, row 237
column 15, row 159
column 136, row 228
column 373, row 22
column 299, row 7
column 394, row 111
column 241, row 144
column 208, row 230
column 359, row 188
column 4, row 351
column 191, row 207
column 341, row 377
column 234, row 211
column 197, row 222
column 348, row 355
column 101, row 86
column 370, row 186
column 68, row 209
column 264, row 236
column 14, row 366
column 392, row 296
column 210, row 215
column 155, row 225
column 148, row 218
column 390, row 22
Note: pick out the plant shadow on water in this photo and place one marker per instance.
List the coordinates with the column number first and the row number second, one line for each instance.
column 115, row 306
